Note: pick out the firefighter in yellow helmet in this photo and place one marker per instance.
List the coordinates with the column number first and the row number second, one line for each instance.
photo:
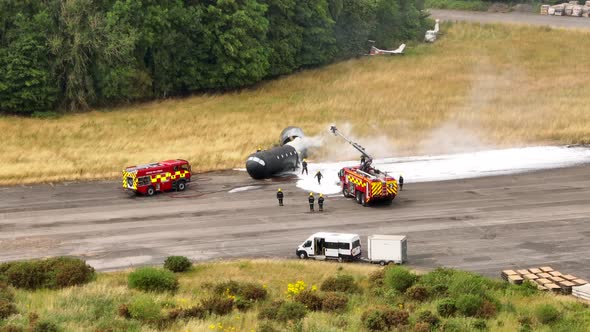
column 321, row 202
column 280, row 196
column 259, row 149
column 311, row 200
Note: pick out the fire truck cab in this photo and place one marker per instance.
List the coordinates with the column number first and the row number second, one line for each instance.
column 160, row 176
column 367, row 185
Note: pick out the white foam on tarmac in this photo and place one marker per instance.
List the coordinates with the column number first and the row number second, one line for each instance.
column 240, row 189
column 453, row 166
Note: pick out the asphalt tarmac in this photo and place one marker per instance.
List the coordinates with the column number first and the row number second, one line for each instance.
column 482, row 225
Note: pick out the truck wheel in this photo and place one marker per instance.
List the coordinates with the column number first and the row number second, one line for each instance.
column 345, row 192
column 181, row 186
column 358, row 197
column 363, row 202
column 302, row 255
column 151, row 191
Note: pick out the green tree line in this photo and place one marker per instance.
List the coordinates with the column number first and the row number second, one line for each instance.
column 71, row 55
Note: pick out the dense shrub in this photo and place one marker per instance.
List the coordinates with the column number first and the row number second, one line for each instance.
column 46, row 326
column 53, row 273
column 145, row 309
column 152, row 279
column 421, row 327
column 446, row 307
column 376, row 278
column 7, row 309
column 382, row 319
column 487, row 310
column 267, row 327
column 417, row 293
column 245, row 290
column 428, row 318
column 399, row 278
column 469, row 304
column 547, row 314
column 480, row 324
column 177, row 263
column 123, row 311
column 218, row 305
column 291, row 311
column 334, row 302
column 340, row 283
column 310, row 299
column 269, row 311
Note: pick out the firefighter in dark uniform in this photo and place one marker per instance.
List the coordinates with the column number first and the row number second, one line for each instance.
column 401, row 182
column 362, row 160
column 304, row 166
column 280, row 196
column 319, row 176
column 311, row 200
column 321, row 202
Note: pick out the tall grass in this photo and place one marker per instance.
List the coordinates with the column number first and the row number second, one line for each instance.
column 93, row 307
column 477, row 86
column 475, row 5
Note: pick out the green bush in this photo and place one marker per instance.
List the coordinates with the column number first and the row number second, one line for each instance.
column 399, row 278
column 340, row 283
column 70, row 271
column 267, row 327
column 417, row 293
column 218, row 305
column 334, row 302
column 246, row 290
column 376, row 278
column 291, row 311
column 269, row 311
column 480, row 324
column 145, row 309
column 469, row 304
column 547, row 314
column 7, row 309
column 446, row 307
column 152, row 279
column 46, row 326
column 487, row 310
column 428, row 318
column 177, row 263
column 58, row 272
column 310, row 299
column 382, row 319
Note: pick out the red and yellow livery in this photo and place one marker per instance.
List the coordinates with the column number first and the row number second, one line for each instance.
column 161, row 176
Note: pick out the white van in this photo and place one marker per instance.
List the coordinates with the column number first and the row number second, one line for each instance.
column 331, row 246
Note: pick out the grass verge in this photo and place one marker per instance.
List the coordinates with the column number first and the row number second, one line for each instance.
column 475, row 5
column 477, row 86
column 481, row 304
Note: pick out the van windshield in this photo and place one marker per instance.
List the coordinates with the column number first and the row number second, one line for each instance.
column 356, row 243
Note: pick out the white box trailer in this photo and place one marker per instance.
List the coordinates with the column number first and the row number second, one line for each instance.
column 385, row 249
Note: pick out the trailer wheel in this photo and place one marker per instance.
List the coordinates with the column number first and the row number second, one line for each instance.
column 382, row 263
column 150, row 191
column 302, row 255
column 340, row 259
column 181, row 186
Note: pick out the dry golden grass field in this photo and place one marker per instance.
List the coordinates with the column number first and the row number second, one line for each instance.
column 477, row 86
column 94, row 306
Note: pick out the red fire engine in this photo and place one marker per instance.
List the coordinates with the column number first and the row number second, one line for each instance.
column 365, row 183
column 162, row 176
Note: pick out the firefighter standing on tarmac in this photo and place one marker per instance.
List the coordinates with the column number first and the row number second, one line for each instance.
column 321, row 202
column 319, row 176
column 401, row 182
column 304, row 166
column 280, row 196
column 311, row 200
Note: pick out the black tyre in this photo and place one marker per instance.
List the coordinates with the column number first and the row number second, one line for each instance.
column 382, row 263
column 358, row 196
column 340, row 259
column 150, row 191
column 302, row 255
column 345, row 192
column 181, row 186
column 363, row 202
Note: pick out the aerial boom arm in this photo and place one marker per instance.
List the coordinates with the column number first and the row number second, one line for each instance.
column 357, row 146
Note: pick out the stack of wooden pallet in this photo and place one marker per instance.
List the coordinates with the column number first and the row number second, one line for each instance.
column 545, row 278
column 572, row 8
column 582, row 292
